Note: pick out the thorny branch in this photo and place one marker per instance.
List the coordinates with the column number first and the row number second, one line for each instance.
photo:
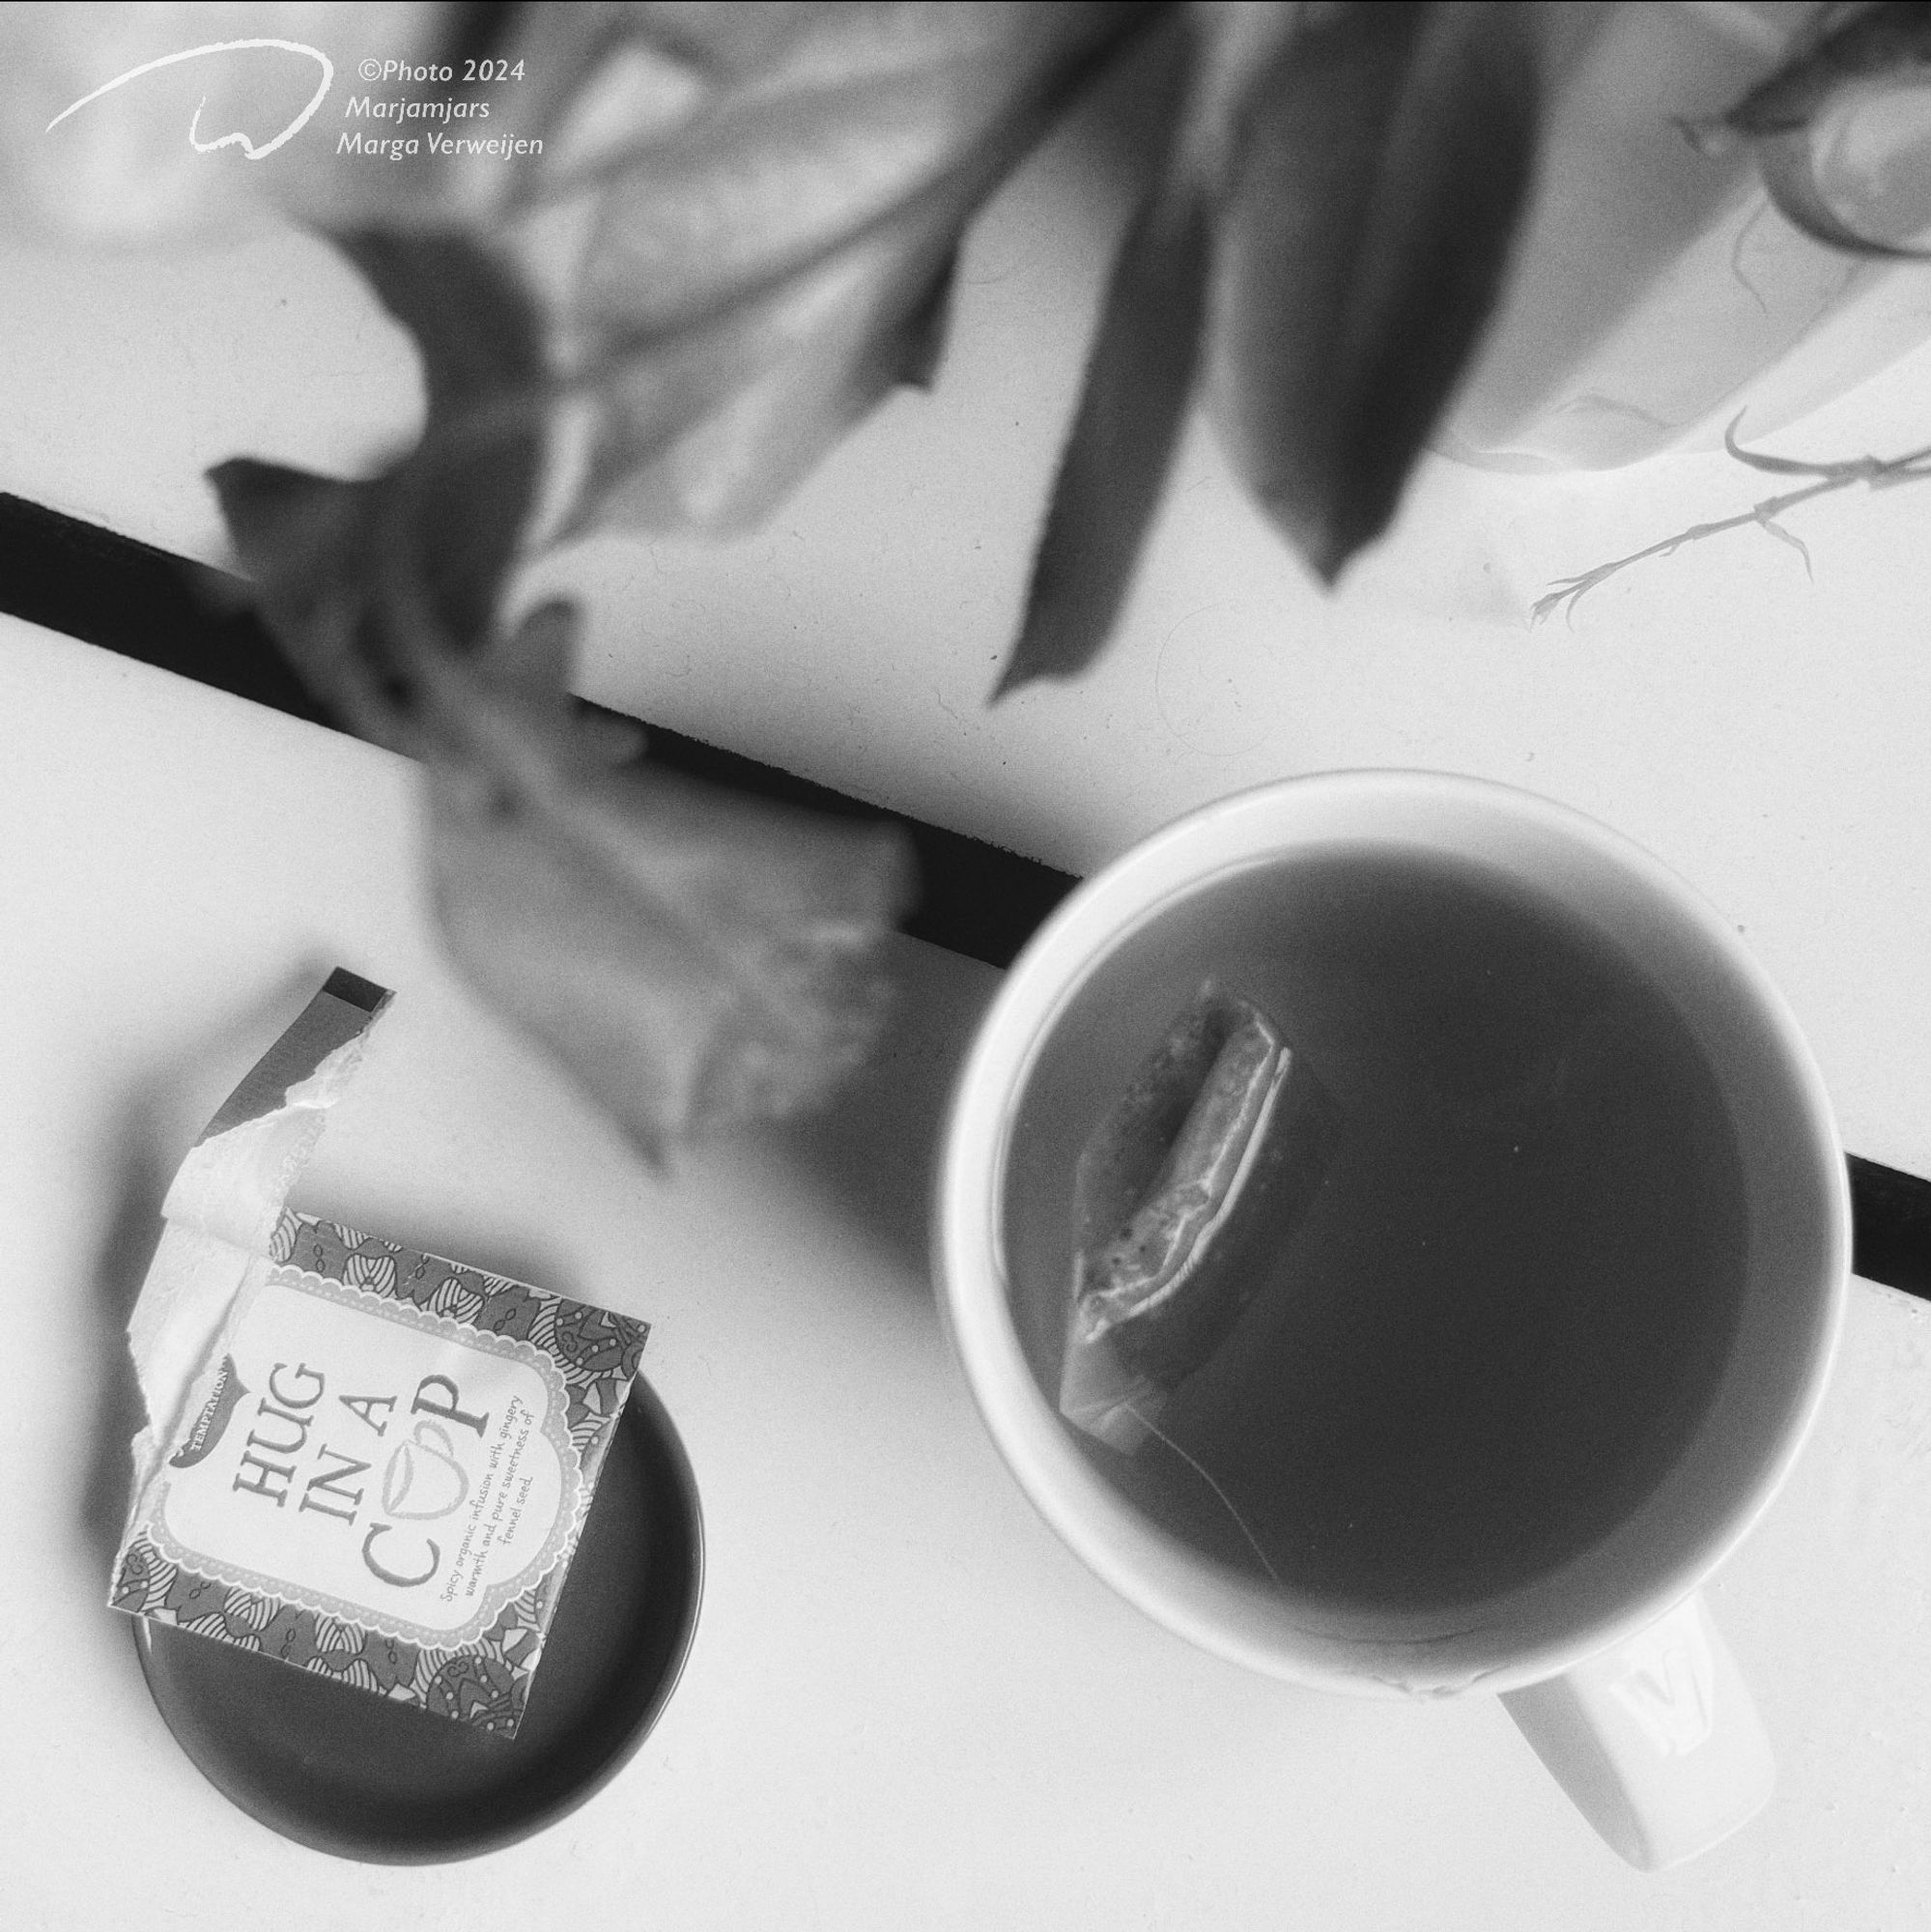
column 1875, row 472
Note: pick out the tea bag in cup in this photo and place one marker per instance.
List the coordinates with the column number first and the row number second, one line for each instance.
column 1186, row 1190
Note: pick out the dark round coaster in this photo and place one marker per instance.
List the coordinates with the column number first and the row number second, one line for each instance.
column 350, row 1772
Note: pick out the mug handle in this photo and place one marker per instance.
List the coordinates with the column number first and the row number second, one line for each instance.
column 1656, row 1739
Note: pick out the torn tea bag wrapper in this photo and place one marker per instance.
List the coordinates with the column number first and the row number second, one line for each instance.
column 362, row 1460
column 1185, row 1194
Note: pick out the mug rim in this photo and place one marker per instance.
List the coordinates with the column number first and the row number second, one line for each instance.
column 968, row 1266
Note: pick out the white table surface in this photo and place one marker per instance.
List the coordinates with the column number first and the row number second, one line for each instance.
column 907, row 1706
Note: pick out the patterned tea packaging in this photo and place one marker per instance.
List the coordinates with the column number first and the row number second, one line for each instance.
column 380, row 1462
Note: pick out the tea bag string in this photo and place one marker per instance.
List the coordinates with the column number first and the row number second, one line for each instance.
column 1225, row 1501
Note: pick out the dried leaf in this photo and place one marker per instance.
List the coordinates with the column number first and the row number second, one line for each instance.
column 1132, row 406
column 1776, row 466
column 713, row 430
column 814, row 124
column 534, row 658
column 1131, row 410
column 305, row 543
column 1773, row 527
column 1875, row 472
column 359, row 580
column 694, row 959
column 456, row 509
column 1876, row 47
column 918, row 343
column 530, row 664
column 1381, row 162
column 766, row 263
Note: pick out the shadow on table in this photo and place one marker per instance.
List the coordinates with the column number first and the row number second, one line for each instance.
column 875, row 1148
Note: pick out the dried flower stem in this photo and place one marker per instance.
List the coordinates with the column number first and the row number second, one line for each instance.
column 1875, row 472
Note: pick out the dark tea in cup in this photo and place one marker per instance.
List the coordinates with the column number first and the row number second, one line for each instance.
column 1549, row 1235
column 1489, row 1332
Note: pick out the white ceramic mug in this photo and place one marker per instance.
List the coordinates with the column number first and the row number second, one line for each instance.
column 1609, row 1665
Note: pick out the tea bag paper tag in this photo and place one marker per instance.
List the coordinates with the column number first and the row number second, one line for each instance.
column 362, row 1459
column 222, row 1206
